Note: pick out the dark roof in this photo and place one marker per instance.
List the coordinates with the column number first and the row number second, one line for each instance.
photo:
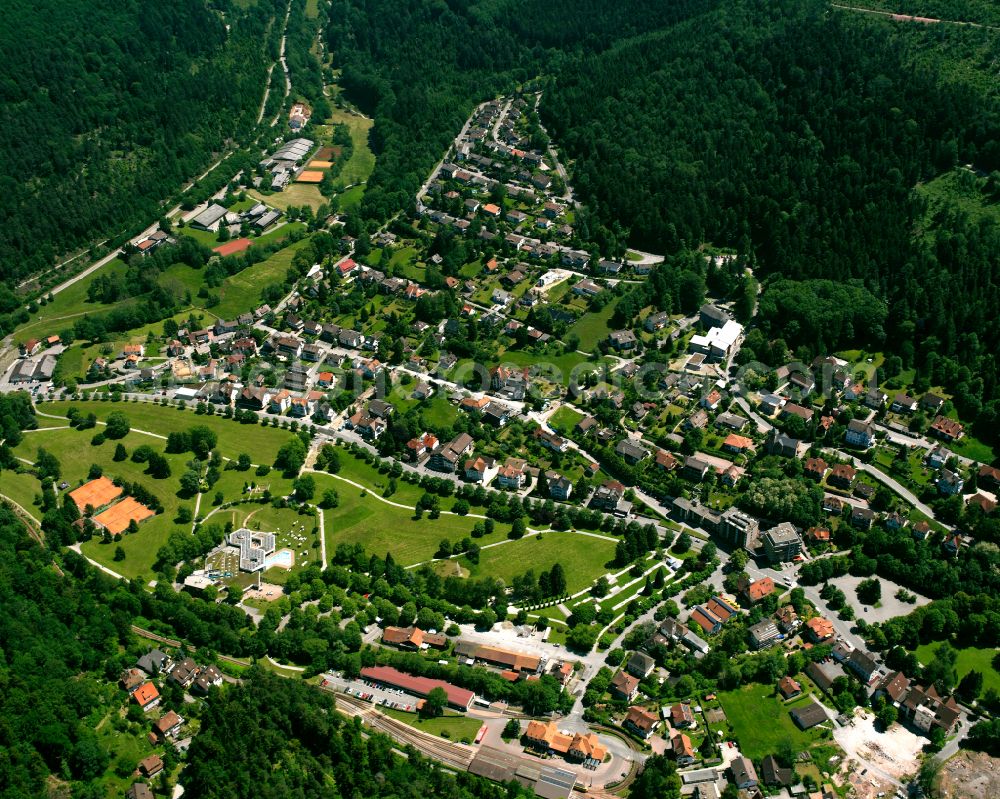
column 809, row 716
column 774, row 773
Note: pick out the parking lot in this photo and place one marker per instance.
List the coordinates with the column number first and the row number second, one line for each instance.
column 388, row 697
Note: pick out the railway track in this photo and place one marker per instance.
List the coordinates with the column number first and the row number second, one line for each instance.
column 149, row 634
column 457, row 756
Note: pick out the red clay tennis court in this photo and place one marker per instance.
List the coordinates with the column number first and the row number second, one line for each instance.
column 232, row 247
column 97, row 493
column 309, row 176
column 116, row 518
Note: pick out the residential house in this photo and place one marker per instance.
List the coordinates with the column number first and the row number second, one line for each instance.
column 860, row 434
column 560, row 487
column 819, row 630
column 949, row 482
column 792, row 409
column 947, row 429
column 737, row 444
column 931, row 402
column 139, row 790
column 146, row 696
column 447, row 458
column 696, row 469
column 864, row 665
column 809, row 716
column 682, row 749
column 779, row 443
column 656, row 321
column 666, row 461
column 150, row 766
column 640, row 721
column 774, row 774
column 862, row 518
column 787, row 618
column 413, row 638
column 481, row 469
column 681, row 717
column 168, row 725
column 622, row 340
column 903, row 403
column 624, row 686
column 513, row 474
column 789, row 688
column 631, row 452
column 926, row 709
column 154, row 662
column 842, row 475
column 640, row 665
column 753, row 591
column 815, row 468
column 744, row 774
column 421, row 445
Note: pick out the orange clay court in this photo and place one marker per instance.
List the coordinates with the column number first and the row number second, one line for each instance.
column 316, row 164
column 97, row 493
column 234, row 246
column 309, row 176
column 116, row 518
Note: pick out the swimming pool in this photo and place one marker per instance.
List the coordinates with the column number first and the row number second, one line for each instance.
column 283, row 558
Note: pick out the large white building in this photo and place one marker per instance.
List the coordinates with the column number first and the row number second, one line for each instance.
column 254, row 548
column 718, row 342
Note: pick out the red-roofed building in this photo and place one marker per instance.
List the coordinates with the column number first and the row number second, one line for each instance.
column 754, row 591
column 458, row 698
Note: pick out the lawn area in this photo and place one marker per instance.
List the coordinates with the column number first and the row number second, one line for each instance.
column 76, row 454
column 72, row 302
column 262, row 443
column 362, row 160
column 297, row 194
column 438, row 413
column 761, row 721
column 351, row 199
column 451, row 725
column 971, row 447
column 583, row 558
column 560, row 367
column 969, row 659
column 358, row 470
column 565, row 419
column 382, row 527
column 592, row 327
column 23, row 488
column 241, row 292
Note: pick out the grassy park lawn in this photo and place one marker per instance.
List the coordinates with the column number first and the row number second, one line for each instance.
column 438, row 412
column 362, row 161
column 297, row 194
column 583, row 558
column 351, row 199
column 22, row 488
column 451, row 725
column 76, row 454
column 560, row 367
column 971, row 447
column 262, row 443
column 761, row 721
column 241, row 292
column 565, row 419
column 360, row 471
column 382, row 527
column 592, row 327
column 71, row 302
column 969, row 659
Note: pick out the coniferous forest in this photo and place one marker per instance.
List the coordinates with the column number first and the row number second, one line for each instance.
column 797, row 134
column 106, row 109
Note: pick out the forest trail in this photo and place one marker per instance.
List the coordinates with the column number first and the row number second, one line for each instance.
column 911, row 18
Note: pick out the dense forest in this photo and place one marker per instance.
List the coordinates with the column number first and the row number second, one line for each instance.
column 106, row 109
column 797, row 135
column 272, row 736
column 419, row 67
